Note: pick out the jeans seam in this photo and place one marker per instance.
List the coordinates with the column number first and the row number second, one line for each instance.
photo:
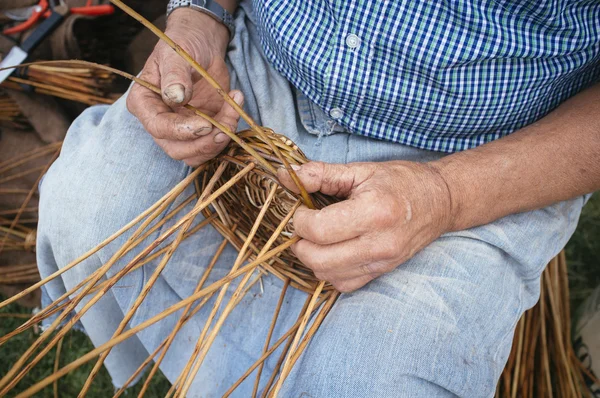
column 513, row 327
column 157, row 234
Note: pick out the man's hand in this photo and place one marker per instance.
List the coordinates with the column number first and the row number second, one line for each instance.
column 391, row 211
column 183, row 135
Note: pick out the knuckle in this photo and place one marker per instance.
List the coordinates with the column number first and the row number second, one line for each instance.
column 321, row 276
column 316, row 233
column 365, row 252
column 178, row 129
column 343, row 286
column 192, row 162
column 381, row 214
column 314, row 169
column 373, row 270
column 154, row 128
column 385, row 251
column 316, row 264
column 174, row 155
column 366, row 269
column 171, row 153
column 131, row 100
column 205, row 147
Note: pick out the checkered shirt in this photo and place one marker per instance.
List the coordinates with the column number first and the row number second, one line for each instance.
column 442, row 75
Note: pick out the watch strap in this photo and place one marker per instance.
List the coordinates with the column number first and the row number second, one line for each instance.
column 208, row 7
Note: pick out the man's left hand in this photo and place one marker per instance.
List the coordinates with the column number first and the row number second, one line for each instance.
column 390, row 211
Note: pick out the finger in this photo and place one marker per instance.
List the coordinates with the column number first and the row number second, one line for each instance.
column 328, row 178
column 335, row 223
column 341, row 221
column 228, row 116
column 351, row 285
column 151, row 74
column 205, row 148
column 162, row 123
column 160, row 120
column 157, row 117
column 176, row 79
column 347, row 260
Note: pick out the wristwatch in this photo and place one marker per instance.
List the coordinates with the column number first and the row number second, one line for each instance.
column 208, row 7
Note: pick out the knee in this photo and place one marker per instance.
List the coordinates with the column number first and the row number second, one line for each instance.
column 397, row 337
column 108, row 172
column 364, row 351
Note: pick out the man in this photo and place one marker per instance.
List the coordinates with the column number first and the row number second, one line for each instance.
column 440, row 241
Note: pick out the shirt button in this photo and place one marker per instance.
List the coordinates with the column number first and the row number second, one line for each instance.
column 352, row 41
column 336, row 113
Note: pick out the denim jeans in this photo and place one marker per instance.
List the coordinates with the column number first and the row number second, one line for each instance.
column 441, row 324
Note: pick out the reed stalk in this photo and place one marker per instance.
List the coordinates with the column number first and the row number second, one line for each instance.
column 157, row 272
column 149, row 322
column 192, row 62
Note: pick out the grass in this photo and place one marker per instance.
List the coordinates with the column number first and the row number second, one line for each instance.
column 583, row 253
column 75, row 345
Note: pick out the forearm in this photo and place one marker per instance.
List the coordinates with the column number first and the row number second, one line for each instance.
column 554, row 159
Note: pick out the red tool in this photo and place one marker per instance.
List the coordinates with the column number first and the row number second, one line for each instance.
column 36, row 14
column 43, row 10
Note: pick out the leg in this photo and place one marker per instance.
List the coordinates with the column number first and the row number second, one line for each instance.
column 92, row 190
column 441, row 324
column 110, row 171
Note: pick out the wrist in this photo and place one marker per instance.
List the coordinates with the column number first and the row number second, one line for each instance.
column 197, row 23
column 444, row 198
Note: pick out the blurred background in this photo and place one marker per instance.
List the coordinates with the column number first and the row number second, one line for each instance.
column 37, row 105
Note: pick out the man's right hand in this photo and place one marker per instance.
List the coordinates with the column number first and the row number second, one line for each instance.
column 182, row 134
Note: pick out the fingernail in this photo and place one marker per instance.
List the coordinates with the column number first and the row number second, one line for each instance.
column 220, row 138
column 296, row 167
column 238, row 97
column 175, row 93
column 201, row 131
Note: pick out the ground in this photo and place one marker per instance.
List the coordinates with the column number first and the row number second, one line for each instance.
column 583, row 254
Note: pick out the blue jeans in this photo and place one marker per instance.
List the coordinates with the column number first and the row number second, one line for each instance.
column 441, row 324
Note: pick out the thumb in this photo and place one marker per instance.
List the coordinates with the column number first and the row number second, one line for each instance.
column 175, row 79
column 329, row 178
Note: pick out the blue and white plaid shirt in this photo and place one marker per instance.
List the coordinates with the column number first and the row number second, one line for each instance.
column 439, row 75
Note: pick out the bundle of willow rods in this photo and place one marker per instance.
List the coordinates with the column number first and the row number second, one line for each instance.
column 86, row 85
column 18, row 225
column 257, row 226
column 542, row 362
column 80, row 83
column 239, row 195
column 10, row 113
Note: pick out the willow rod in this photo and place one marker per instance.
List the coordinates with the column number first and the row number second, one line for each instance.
column 154, row 277
column 183, row 318
column 271, row 350
column 287, row 365
column 203, row 346
column 11, row 380
column 180, row 51
column 175, row 191
column 28, row 198
column 157, row 91
column 22, row 159
column 286, row 284
column 174, row 308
